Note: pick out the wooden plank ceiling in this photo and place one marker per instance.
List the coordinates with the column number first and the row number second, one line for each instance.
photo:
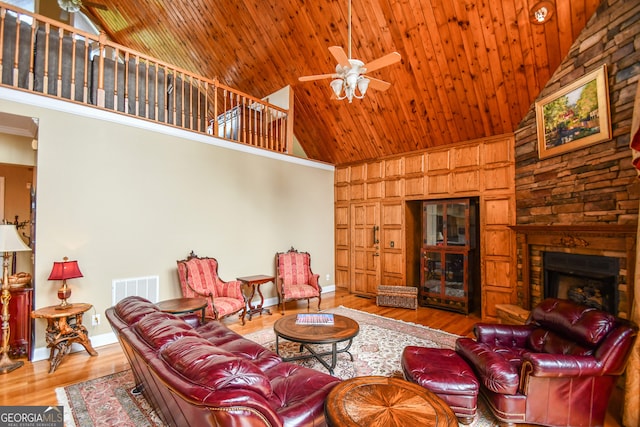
column 469, row 69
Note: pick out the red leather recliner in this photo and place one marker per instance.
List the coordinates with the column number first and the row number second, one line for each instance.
column 557, row 370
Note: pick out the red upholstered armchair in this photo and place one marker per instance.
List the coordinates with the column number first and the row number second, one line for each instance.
column 557, row 370
column 199, row 278
column 294, row 278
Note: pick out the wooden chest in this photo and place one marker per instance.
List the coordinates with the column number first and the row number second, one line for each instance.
column 398, row 296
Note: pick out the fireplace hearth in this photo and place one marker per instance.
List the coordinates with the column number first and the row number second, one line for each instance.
column 586, row 279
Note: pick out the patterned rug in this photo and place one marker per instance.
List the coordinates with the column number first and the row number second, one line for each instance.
column 376, row 350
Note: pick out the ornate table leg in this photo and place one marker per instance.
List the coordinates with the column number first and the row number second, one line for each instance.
column 61, row 335
column 82, row 336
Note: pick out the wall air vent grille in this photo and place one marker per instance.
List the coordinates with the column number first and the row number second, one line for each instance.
column 146, row 287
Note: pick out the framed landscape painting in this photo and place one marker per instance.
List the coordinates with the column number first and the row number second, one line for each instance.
column 575, row 116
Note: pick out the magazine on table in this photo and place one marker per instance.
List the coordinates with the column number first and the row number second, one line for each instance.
column 314, row 319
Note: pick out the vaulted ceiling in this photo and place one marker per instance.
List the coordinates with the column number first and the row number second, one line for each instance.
column 469, row 69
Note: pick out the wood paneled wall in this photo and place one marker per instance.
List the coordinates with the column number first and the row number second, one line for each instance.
column 386, row 193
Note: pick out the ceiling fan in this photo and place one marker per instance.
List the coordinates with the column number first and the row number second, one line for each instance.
column 73, row 6
column 350, row 72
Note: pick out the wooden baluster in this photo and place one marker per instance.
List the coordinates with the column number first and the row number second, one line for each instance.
column 73, row 67
column 59, row 76
column 3, row 15
column 32, row 43
column 156, row 99
column 146, row 89
column 45, row 77
column 125, row 86
column 15, row 74
column 215, row 108
column 85, row 83
column 100, row 91
column 136, row 84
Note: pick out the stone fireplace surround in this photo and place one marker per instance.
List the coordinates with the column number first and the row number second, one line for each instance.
column 614, row 241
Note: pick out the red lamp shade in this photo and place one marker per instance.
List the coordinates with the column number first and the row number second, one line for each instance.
column 62, row 271
column 65, row 270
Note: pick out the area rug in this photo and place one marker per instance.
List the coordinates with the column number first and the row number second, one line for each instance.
column 376, row 350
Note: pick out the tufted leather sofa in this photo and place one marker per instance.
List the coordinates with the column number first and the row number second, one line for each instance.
column 208, row 375
column 558, row 369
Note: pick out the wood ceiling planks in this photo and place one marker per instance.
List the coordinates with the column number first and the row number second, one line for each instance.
column 469, row 68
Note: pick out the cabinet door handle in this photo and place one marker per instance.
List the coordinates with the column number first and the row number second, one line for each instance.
column 375, row 234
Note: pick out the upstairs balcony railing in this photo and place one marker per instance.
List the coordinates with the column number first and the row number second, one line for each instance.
column 43, row 56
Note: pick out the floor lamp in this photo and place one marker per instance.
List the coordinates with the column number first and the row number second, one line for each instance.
column 10, row 242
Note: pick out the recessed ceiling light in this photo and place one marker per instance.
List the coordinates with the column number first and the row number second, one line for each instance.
column 541, row 12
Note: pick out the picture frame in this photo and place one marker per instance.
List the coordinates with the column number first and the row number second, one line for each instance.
column 576, row 116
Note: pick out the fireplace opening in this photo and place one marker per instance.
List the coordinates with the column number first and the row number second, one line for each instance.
column 590, row 280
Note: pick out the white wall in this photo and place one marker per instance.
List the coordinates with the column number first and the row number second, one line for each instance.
column 127, row 201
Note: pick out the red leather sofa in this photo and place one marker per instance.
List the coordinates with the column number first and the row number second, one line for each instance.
column 557, row 370
column 208, row 375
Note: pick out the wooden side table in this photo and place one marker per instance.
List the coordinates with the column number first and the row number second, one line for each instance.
column 184, row 305
column 254, row 282
column 385, row 402
column 64, row 327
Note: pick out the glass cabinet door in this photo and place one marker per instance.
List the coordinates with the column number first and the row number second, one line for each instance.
column 432, row 272
column 434, row 225
column 456, row 224
column 454, row 275
column 444, row 277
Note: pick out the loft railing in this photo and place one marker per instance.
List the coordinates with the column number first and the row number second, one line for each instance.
column 41, row 55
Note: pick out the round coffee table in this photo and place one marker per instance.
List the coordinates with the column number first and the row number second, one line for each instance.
column 385, row 402
column 343, row 329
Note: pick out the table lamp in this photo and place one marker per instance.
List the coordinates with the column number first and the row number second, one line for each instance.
column 10, row 242
column 62, row 271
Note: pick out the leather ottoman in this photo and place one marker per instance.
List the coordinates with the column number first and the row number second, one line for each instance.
column 446, row 374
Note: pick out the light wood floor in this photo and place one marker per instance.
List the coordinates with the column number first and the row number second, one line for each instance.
column 33, row 385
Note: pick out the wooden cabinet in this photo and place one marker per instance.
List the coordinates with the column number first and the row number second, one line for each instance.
column 381, row 201
column 20, row 306
column 449, row 255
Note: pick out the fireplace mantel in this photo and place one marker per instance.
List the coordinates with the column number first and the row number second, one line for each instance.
column 596, row 229
column 587, row 239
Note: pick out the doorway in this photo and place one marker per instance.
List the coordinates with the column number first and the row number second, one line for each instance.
column 18, row 144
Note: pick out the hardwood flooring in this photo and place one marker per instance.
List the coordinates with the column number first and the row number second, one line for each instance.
column 32, row 384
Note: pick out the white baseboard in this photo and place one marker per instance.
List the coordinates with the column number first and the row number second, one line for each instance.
column 42, row 353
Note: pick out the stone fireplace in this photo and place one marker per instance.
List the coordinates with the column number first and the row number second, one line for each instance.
column 590, row 264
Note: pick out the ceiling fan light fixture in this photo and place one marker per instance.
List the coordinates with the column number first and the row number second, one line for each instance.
column 71, row 6
column 349, row 80
column 336, row 85
column 363, row 84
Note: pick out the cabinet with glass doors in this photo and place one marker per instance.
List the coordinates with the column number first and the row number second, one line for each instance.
column 448, row 258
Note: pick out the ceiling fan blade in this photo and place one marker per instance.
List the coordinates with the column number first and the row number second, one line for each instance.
column 378, row 84
column 340, row 55
column 389, row 59
column 317, row 77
